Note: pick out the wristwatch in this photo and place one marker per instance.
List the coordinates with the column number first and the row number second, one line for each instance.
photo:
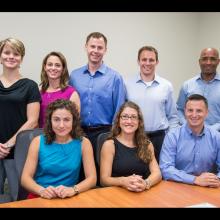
column 148, row 184
column 76, row 190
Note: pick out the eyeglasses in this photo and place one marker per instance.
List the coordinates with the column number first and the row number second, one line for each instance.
column 212, row 59
column 132, row 117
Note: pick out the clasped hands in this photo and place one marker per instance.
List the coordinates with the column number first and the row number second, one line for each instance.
column 134, row 183
column 56, row 192
column 4, row 150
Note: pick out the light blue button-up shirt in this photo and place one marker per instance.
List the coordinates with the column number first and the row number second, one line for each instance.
column 101, row 94
column 210, row 90
column 184, row 155
column 156, row 102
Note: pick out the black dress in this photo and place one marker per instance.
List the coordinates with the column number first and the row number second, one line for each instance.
column 126, row 162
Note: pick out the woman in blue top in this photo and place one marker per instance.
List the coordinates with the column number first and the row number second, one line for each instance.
column 54, row 159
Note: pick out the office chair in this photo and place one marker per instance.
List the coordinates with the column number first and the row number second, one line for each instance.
column 100, row 141
column 23, row 141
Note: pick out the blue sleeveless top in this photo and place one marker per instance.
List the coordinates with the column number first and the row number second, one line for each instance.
column 58, row 164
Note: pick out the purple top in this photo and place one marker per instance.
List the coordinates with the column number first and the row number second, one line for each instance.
column 48, row 97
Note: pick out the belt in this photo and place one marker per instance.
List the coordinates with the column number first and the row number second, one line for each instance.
column 95, row 128
column 156, row 133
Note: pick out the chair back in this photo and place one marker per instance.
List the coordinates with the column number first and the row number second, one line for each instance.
column 22, row 144
column 100, row 141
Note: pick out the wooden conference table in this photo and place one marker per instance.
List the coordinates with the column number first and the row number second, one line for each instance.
column 165, row 194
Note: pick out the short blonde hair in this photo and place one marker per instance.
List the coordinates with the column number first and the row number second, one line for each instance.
column 15, row 44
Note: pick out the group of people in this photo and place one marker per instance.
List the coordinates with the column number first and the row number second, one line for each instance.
column 150, row 136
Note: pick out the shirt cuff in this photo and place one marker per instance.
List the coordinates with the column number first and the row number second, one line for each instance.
column 188, row 178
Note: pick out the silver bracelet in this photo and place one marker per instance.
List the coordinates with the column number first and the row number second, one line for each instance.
column 40, row 191
column 148, row 184
column 9, row 145
column 76, row 190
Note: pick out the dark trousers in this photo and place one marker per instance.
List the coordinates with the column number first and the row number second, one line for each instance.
column 2, row 177
column 7, row 166
column 157, row 141
column 92, row 135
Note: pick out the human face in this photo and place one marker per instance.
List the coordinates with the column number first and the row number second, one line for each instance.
column 147, row 62
column 96, row 49
column 10, row 58
column 129, row 120
column 53, row 67
column 62, row 122
column 196, row 112
column 209, row 60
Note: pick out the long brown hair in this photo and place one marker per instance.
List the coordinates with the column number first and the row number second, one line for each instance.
column 76, row 132
column 64, row 78
column 140, row 138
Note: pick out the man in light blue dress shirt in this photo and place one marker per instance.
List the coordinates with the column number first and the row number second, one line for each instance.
column 207, row 83
column 191, row 153
column 154, row 95
column 101, row 89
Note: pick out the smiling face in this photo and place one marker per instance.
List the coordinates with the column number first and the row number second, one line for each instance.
column 195, row 112
column 10, row 58
column 53, row 67
column 209, row 60
column 96, row 49
column 147, row 62
column 62, row 123
column 129, row 120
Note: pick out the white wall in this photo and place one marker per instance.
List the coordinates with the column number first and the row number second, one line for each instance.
column 209, row 31
column 178, row 36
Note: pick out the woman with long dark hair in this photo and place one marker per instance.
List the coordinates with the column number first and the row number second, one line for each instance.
column 127, row 157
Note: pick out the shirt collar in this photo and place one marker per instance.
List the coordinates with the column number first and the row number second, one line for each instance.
column 156, row 78
column 102, row 69
column 217, row 77
column 189, row 130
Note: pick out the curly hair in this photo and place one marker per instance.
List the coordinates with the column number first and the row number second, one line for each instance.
column 64, row 78
column 140, row 138
column 76, row 132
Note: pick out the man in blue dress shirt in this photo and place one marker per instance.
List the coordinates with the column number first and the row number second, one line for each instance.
column 154, row 95
column 101, row 89
column 207, row 83
column 191, row 153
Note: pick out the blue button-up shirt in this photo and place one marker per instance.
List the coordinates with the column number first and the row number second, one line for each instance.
column 156, row 102
column 210, row 90
column 101, row 94
column 184, row 155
